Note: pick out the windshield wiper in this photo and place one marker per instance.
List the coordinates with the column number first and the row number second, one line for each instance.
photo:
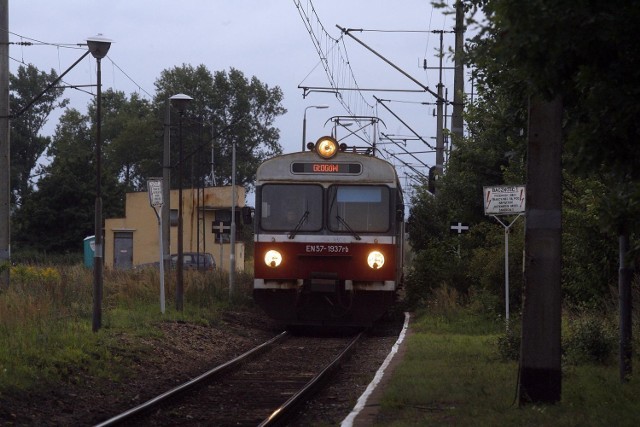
column 343, row 222
column 299, row 226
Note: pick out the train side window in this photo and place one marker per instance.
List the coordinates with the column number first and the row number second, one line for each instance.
column 363, row 208
column 284, row 206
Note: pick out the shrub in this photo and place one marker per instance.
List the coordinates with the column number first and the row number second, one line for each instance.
column 431, row 269
column 508, row 343
column 485, row 303
column 589, row 339
column 444, row 300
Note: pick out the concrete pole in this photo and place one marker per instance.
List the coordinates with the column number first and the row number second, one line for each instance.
column 440, row 118
column 232, row 256
column 439, row 137
column 5, row 162
column 457, row 124
column 180, row 261
column 540, row 356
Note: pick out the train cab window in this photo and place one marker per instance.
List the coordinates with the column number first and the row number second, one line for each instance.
column 358, row 208
column 289, row 207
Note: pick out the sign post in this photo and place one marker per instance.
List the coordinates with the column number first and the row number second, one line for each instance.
column 219, row 231
column 154, row 187
column 457, row 227
column 505, row 200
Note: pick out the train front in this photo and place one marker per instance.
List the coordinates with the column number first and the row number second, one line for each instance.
column 328, row 237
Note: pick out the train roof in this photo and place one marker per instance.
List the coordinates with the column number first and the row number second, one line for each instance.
column 373, row 169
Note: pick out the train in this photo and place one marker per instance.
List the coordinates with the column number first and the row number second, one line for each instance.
column 328, row 233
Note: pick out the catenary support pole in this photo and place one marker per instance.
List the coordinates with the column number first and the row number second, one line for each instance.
column 457, row 123
column 439, row 117
column 232, row 255
column 540, row 355
column 5, row 165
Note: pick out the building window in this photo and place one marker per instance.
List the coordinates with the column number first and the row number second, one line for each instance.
column 173, row 215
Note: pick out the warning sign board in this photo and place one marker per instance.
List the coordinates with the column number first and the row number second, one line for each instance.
column 154, row 187
column 504, row 199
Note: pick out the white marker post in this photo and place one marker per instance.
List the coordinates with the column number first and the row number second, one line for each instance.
column 154, row 187
column 505, row 200
column 458, row 228
column 221, row 228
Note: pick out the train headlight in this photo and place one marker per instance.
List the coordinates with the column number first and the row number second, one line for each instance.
column 375, row 260
column 326, row 147
column 272, row 258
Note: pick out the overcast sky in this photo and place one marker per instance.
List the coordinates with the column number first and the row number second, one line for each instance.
column 263, row 38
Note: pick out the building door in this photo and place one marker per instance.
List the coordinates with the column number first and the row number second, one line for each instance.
column 123, row 250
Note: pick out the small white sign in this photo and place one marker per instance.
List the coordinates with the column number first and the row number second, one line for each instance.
column 154, row 187
column 504, row 199
column 458, row 228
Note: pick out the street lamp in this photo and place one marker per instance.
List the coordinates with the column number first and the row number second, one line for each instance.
column 98, row 46
column 180, row 102
column 304, row 124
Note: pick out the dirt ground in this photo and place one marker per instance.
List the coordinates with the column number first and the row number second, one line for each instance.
column 183, row 352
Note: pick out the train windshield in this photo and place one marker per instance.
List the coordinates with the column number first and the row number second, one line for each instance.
column 358, row 208
column 287, row 207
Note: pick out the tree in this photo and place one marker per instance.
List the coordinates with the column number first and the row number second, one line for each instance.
column 131, row 138
column 583, row 53
column 228, row 108
column 58, row 216
column 26, row 143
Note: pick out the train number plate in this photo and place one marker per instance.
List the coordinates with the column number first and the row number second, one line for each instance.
column 325, row 249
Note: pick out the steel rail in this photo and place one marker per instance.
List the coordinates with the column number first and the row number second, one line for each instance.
column 152, row 403
column 289, row 408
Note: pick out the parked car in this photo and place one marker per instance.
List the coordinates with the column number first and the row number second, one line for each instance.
column 202, row 261
column 195, row 260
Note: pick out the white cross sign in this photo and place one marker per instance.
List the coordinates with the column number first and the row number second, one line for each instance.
column 459, row 227
column 220, row 228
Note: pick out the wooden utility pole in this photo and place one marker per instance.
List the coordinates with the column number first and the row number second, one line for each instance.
column 5, row 185
column 540, row 371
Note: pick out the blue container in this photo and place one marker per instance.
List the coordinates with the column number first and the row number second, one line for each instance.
column 89, row 250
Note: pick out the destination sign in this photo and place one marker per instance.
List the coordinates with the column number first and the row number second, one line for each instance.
column 326, row 168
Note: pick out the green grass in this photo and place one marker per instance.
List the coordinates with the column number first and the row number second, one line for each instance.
column 46, row 320
column 452, row 374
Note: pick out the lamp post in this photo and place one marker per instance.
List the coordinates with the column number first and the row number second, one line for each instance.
column 180, row 102
column 98, row 46
column 166, row 188
column 304, row 124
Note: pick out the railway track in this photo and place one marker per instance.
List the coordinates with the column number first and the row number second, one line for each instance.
column 264, row 386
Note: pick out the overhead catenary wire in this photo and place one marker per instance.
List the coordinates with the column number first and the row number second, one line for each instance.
column 335, row 61
column 75, row 46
